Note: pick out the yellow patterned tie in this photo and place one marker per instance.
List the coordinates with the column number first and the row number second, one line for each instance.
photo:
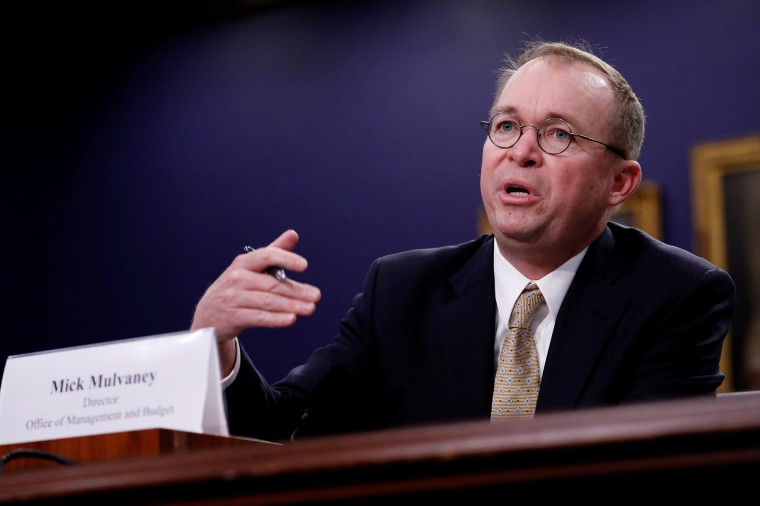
column 517, row 373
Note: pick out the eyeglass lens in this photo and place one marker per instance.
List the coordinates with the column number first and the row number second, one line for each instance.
column 554, row 134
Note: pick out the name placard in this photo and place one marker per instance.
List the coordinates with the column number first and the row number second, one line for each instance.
column 169, row 381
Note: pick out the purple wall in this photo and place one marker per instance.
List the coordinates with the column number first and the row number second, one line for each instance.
column 140, row 156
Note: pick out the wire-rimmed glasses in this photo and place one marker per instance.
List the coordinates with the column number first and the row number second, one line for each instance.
column 553, row 134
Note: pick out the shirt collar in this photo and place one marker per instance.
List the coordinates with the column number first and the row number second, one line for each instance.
column 510, row 283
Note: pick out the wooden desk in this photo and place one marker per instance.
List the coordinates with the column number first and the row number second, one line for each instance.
column 651, row 452
column 119, row 445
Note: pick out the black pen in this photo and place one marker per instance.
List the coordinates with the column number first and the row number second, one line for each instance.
column 277, row 272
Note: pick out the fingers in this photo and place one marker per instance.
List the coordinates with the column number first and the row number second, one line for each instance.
column 245, row 297
column 231, row 305
column 241, row 299
column 252, row 289
column 278, row 254
column 265, row 309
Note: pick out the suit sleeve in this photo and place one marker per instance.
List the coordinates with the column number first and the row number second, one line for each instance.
column 683, row 357
column 254, row 409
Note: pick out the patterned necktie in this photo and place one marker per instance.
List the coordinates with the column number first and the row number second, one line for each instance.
column 517, row 374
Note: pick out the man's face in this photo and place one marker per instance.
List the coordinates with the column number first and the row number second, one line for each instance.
column 552, row 204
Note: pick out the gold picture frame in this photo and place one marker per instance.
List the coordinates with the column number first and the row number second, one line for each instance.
column 726, row 207
column 642, row 209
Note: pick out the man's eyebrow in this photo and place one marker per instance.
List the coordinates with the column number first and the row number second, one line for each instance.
column 551, row 114
column 565, row 117
column 570, row 120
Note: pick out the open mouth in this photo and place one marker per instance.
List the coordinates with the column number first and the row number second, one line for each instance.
column 517, row 190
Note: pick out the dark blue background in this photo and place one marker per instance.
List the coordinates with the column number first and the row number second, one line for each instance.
column 142, row 147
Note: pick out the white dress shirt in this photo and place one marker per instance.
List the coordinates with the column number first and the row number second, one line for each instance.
column 227, row 380
column 510, row 283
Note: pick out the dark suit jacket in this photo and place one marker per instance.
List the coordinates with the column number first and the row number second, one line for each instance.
column 641, row 321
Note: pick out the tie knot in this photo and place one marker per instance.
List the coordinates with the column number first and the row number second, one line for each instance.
column 526, row 306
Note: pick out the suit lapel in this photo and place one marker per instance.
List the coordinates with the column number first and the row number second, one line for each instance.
column 464, row 332
column 584, row 326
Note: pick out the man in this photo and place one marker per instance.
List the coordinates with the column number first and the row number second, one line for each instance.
column 624, row 318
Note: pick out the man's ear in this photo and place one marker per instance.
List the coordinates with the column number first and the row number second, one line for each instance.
column 627, row 179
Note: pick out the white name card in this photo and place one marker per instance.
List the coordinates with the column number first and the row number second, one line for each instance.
column 169, row 381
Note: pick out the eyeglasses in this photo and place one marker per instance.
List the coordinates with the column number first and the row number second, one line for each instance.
column 553, row 134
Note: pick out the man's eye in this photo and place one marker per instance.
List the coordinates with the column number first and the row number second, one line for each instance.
column 558, row 134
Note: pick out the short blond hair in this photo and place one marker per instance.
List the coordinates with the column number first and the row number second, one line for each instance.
column 626, row 124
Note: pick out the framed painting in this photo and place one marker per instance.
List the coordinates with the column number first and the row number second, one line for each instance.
column 726, row 208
